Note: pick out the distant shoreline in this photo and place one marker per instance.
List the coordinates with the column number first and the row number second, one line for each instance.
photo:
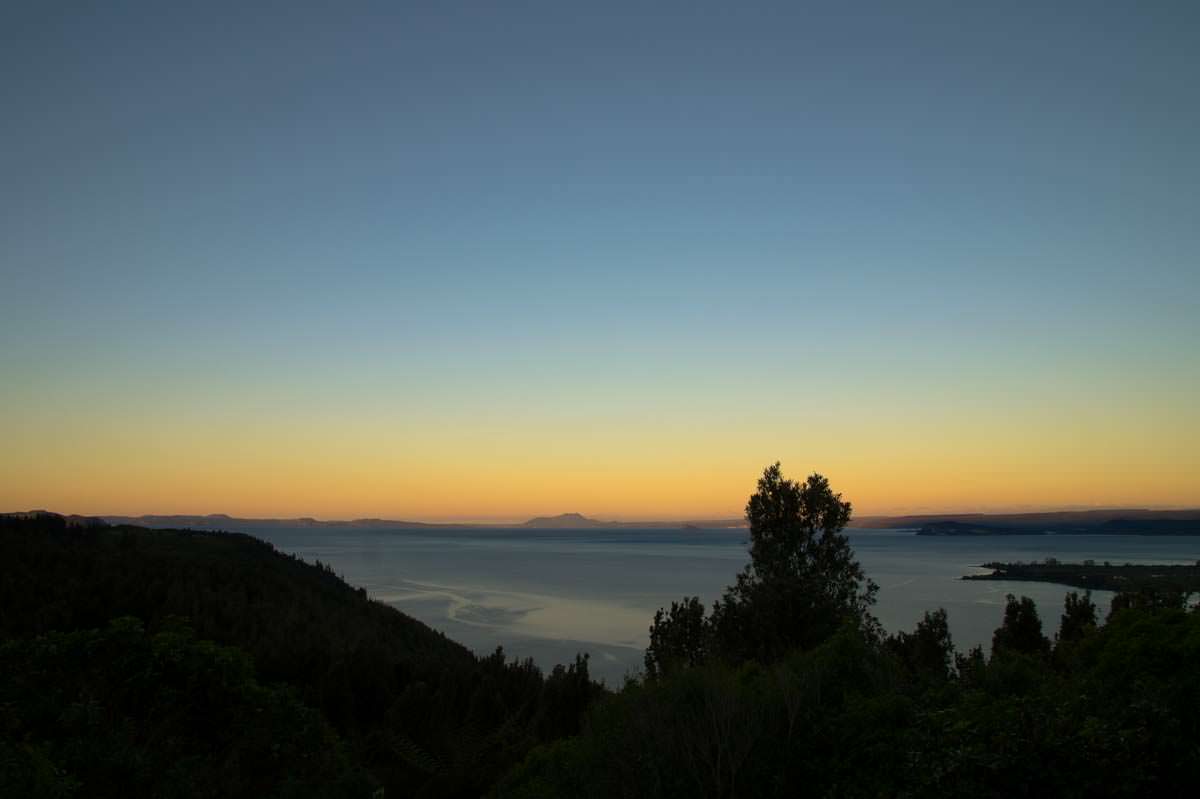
column 1122, row 521
column 1184, row 578
column 1120, row 526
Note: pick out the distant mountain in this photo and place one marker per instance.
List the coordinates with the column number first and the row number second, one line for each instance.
column 221, row 521
column 968, row 529
column 565, row 521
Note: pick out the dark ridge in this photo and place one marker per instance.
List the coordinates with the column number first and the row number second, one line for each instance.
column 1123, row 526
column 566, row 521
column 417, row 708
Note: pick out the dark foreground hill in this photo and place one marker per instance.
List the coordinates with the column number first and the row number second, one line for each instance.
column 406, row 708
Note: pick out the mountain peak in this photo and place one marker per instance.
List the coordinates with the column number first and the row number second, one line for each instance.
column 564, row 520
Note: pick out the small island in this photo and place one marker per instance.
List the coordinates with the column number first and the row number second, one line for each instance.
column 1182, row 578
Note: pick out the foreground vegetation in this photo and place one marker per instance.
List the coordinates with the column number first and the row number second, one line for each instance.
column 788, row 686
column 169, row 663
column 111, row 683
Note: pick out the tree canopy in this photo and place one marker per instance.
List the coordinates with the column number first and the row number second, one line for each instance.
column 790, row 687
column 802, row 583
column 1021, row 630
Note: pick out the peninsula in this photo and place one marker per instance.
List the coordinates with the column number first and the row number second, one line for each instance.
column 1174, row 578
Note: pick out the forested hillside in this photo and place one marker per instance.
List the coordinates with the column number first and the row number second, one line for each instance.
column 415, row 712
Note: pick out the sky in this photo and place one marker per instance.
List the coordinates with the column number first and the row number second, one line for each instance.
column 491, row 260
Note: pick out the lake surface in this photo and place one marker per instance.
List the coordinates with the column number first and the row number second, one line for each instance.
column 548, row 594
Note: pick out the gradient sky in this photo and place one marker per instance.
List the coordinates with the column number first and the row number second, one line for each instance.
column 442, row 260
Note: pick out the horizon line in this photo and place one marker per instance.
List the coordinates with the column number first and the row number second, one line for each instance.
column 603, row 518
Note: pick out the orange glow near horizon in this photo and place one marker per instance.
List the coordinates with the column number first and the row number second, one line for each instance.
column 639, row 471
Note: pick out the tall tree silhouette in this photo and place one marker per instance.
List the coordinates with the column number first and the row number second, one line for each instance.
column 802, row 583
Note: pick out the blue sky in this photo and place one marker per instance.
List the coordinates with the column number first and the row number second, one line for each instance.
column 560, row 217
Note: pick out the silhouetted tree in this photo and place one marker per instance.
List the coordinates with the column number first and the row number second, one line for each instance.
column 1021, row 630
column 802, row 582
column 567, row 693
column 927, row 652
column 1078, row 619
column 678, row 637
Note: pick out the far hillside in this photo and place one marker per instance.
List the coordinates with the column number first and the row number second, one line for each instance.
column 1117, row 521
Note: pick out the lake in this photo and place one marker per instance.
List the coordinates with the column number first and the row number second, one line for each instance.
column 548, row 594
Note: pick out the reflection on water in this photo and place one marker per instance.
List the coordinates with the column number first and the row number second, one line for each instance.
column 550, row 594
column 525, row 614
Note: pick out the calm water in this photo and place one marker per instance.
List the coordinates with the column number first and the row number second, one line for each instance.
column 550, row 594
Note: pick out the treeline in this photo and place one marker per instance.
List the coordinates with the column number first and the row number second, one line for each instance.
column 788, row 686
column 167, row 662
column 1110, row 713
